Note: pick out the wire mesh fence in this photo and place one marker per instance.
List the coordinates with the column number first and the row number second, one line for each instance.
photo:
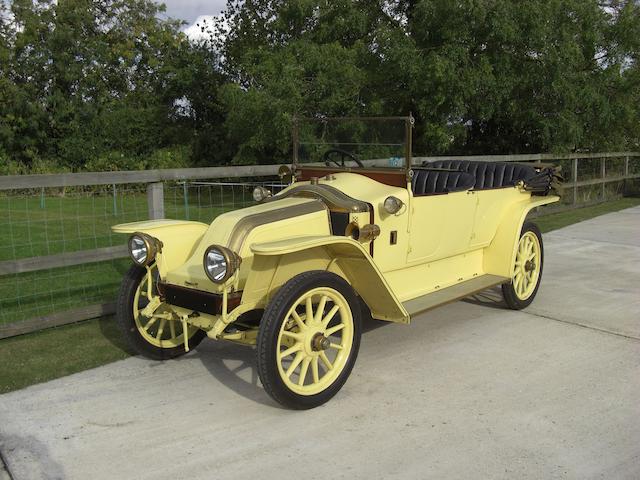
column 204, row 201
column 47, row 222
column 53, row 221
column 38, row 224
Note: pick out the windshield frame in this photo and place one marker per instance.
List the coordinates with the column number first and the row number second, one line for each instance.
column 409, row 122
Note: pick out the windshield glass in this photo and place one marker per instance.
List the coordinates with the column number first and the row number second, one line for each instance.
column 372, row 142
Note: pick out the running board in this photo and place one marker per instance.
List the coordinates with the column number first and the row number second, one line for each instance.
column 451, row 294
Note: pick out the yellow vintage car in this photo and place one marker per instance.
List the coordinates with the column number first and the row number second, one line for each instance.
column 361, row 228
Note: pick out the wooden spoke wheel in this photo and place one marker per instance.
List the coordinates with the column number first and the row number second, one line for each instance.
column 309, row 339
column 527, row 269
column 149, row 326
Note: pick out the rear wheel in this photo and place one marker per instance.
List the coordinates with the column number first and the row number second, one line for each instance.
column 159, row 334
column 309, row 339
column 527, row 269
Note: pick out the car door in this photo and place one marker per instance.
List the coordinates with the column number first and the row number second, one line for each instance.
column 441, row 225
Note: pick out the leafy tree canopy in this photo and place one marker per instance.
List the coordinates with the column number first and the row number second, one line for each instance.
column 109, row 84
column 480, row 76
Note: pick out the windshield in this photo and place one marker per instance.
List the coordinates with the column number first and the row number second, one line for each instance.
column 371, row 142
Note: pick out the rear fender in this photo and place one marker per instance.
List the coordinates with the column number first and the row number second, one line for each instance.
column 179, row 239
column 500, row 255
column 276, row 262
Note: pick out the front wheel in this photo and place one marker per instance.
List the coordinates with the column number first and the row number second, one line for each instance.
column 159, row 334
column 308, row 339
column 527, row 269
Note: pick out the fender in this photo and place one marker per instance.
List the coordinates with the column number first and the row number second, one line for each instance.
column 179, row 239
column 277, row 262
column 500, row 255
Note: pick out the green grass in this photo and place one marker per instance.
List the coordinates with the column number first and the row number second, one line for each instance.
column 562, row 219
column 77, row 220
column 49, row 354
column 42, row 356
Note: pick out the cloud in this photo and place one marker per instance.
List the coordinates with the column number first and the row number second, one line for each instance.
column 200, row 30
column 191, row 10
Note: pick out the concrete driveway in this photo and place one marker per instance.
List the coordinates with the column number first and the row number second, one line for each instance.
column 470, row 390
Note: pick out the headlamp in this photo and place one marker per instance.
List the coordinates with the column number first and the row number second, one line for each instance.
column 260, row 194
column 143, row 248
column 220, row 263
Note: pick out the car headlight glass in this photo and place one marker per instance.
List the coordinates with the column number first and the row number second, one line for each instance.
column 138, row 249
column 216, row 265
column 143, row 248
column 220, row 263
column 393, row 205
column 260, row 194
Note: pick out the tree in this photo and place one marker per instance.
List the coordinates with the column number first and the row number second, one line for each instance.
column 92, row 83
column 481, row 76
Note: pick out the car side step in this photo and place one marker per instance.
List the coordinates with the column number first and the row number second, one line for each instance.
column 450, row 294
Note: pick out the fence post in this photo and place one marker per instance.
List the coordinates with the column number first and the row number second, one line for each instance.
column 574, row 177
column 155, row 200
column 185, row 191
column 603, row 174
column 625, row 182
column 115, row 200
column 626, row 166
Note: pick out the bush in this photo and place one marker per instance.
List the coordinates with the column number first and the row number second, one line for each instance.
column 170, row 157
column 114, row 160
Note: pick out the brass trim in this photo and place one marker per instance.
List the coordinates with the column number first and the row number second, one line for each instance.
column 369, row 232
column 245, row 225
column 336, row 200
column 364, row 234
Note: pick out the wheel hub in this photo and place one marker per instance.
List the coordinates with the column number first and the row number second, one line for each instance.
column 529, row 266
column 319, row 342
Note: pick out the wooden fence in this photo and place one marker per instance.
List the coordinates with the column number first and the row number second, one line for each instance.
column 154, row 179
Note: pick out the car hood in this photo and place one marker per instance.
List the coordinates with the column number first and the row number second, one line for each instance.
column 346, row 191
column 239, row 229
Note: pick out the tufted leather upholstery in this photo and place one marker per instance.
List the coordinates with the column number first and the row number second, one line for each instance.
column 430, row 182
column 488, row 174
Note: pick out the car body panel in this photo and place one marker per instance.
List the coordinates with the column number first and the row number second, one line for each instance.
column 341, row 255
column 499, row 256
column 179, row 239
column 238, row 229
column 154, row 225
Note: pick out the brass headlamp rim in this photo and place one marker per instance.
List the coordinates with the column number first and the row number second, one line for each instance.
column 152, row 244
column 231, row 258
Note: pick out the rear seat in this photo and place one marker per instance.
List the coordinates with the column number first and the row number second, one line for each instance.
column 488, row 175
column 434, row 182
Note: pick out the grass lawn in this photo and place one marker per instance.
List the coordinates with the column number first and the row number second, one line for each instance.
column 42, row 356
column 81, row 220
column 562, row 219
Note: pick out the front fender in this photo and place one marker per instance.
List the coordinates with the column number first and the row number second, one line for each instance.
column 277, row 262
column 179, row 239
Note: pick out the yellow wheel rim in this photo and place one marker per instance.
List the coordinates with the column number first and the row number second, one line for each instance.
column 526, row 270
column 162, row 329
column 315, row 341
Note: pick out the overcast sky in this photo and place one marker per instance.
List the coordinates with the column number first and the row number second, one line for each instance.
column 190, row 10
column 193, row 11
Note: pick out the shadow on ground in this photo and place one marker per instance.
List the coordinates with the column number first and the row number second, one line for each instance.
column 491, row 298
column 235, row 365
column 110, row 331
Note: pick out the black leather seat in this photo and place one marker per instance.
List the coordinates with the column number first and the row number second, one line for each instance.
column 433, row 182
column 488, row 174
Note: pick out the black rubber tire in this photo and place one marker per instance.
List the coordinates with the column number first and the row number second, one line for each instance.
column 508, row 292
column 270, row 327
column 127, row 324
